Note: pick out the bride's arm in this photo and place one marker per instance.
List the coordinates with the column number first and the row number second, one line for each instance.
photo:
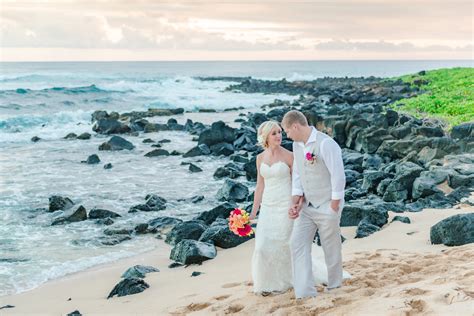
column 257, row 199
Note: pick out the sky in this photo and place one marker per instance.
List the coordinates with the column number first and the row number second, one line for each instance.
column 112, row 30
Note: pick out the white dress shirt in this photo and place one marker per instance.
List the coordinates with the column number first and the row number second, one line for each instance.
column 330, row 151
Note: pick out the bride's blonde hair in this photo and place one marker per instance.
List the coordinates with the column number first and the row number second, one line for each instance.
column 264, row 130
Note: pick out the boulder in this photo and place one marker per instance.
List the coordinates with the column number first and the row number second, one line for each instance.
column 401, row 187
column 463, row 131
column 192, row 252
column 57, row 202
column 365, row 229
column 219, row 132
column 403, row 219
column 113, row 240
column 154, row 203
column 455, row 230
column 371, row 162
column 118, row 231
column 372, row 180
column 92, row 160
column 401, row 132
column 70, row 136
column 425, row 185
column 97, row 213
column 224, row 149
column 232, row 191
column 128, row 286
column 250, row 169
column 164, row 224
column 354, row 213
column 429, row 131
column 84, row 136
column 193, row 168
column 200, row 150
column 110, row 126
column 223, row 172
column 186, row 230
column 138, row 271
column 77, row 216
column 116, row 143
column 157, row 153
column 221, row 211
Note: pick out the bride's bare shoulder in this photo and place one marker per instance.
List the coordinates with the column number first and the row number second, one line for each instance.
column 287, row 153
column 288, row 156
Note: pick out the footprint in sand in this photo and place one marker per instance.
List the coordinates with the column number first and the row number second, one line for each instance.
column 229, row 285
column 235, row 308
column 220, row 298
column 276, row 307
column 417, row 306
column 194, row 307
column 338, row 301
column 415, row 291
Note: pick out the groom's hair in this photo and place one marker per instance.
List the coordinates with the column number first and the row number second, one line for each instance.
column 292, row 117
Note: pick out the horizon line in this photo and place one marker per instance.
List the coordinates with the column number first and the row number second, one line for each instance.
column 225, row 60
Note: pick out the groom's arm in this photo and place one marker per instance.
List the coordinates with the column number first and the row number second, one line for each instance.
column 296, row 189
column 332, row 156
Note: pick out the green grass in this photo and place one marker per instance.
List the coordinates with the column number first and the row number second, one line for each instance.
column 449, row 96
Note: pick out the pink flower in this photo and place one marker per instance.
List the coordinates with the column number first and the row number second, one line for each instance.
column 309, row 156
column 246, row 231
column 236, row 212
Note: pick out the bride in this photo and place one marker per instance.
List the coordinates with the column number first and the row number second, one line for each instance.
column 271, row 261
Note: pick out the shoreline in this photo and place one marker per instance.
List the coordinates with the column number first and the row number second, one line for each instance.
column 227, row 277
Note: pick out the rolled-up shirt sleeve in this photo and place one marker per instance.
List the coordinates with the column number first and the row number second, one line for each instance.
column 332, row 156
column 296, row 187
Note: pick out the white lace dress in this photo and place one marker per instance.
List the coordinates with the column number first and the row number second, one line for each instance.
column 271, row 262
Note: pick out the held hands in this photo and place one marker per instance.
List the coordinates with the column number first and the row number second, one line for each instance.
column 294, row 212
column 295, row 209
column 335, row 205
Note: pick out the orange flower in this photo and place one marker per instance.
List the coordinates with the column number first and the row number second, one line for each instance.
column 239, row 223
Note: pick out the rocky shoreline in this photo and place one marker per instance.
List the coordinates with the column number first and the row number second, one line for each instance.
column 394, row 163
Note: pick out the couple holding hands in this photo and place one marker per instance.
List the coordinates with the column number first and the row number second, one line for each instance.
column 298, row 194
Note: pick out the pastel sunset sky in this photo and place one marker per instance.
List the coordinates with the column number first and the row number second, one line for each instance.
column 60, row 30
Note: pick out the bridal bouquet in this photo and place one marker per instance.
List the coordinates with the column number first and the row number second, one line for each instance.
column 239, row 223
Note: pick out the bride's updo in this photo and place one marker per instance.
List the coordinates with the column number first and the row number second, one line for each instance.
column 264, row 130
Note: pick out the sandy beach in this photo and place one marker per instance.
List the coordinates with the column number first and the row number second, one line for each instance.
column 395, row 272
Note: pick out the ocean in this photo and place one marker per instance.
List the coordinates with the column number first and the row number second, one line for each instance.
column 50, row 100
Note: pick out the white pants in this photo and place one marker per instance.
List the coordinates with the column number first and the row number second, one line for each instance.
column 310, row 220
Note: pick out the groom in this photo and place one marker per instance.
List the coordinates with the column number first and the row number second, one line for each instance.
column 318, row 197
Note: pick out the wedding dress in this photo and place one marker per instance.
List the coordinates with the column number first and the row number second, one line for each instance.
column 271, row 261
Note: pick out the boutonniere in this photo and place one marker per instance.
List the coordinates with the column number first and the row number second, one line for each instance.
column 310, row 157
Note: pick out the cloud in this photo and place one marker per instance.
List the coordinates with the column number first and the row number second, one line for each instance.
column 223, row 26
column 384, row 46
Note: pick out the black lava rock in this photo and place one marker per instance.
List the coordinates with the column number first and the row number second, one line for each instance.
column 128, row 286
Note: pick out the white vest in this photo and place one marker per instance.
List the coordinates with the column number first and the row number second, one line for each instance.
column 314, row 176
